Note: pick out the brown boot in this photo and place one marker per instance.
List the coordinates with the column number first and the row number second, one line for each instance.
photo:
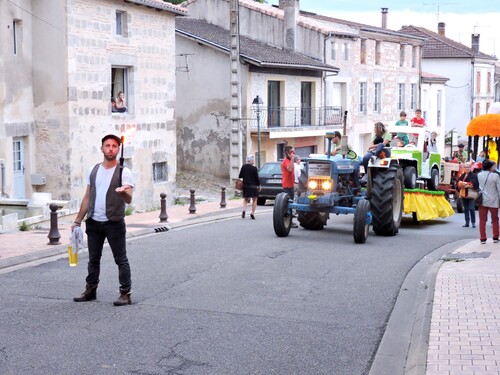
column 90, row 294
column 124, row 299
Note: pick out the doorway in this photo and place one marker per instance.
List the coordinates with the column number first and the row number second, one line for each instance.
column 18, row 159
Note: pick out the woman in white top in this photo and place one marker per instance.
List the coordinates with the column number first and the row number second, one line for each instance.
column 489, row 185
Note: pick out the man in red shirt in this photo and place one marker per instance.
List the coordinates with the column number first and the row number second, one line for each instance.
column 288, row 174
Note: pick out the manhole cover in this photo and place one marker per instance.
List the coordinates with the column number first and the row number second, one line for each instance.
column 465, row 256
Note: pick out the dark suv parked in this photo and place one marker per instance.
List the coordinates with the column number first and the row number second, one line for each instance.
column 270, row 181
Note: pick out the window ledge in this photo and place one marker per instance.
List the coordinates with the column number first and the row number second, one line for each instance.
column 121, row 114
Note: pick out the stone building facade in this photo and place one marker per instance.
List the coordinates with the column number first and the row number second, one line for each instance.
column 72, row 57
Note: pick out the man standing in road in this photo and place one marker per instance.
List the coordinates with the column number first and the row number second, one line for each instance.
column 108, row 190
column 288, row 174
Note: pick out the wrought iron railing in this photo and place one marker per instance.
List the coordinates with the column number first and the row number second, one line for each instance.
column 296, row 117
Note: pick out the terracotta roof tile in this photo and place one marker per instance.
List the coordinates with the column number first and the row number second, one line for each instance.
column 254, row 52
column 439, row 46
column 161, row 5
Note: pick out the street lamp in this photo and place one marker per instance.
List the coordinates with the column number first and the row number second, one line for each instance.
column 257, row 107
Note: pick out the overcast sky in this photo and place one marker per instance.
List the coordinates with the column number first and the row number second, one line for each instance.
column 462, row 17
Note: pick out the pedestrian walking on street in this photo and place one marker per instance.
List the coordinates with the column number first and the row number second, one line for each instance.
column 108, row 189
column 489, row 185
column 251, row 185
column 468, row 182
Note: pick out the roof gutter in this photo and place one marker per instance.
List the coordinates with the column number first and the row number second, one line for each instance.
column 395, row 33
column 168, row 7
column 252, row 60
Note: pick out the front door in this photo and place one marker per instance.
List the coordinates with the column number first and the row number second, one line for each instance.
column 18, row 158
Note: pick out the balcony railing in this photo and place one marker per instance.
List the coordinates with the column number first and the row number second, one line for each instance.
column 296, row 117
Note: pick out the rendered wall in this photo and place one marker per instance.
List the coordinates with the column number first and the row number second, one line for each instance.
column 16, row 90
column 203, row 97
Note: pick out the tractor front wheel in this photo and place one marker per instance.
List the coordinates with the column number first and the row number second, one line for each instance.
column 410, row 177
column 282, row 220
column 433, row 182
column 362, row 220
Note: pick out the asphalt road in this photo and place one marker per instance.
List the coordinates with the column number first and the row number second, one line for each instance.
column 221, row 298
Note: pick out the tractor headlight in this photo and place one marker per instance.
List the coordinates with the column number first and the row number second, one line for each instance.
column 327, row 185
column 312, row 185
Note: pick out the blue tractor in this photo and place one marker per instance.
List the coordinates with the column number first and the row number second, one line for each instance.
column 331, row 187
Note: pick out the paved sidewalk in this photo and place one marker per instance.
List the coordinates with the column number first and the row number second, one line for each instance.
column 21, row 247
column 465, row 325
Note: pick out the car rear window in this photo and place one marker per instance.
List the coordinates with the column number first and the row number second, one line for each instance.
column 271, row 168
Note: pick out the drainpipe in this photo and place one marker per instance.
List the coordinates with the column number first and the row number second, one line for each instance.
column 2, row 166
column 472, row 87
column 323, row 80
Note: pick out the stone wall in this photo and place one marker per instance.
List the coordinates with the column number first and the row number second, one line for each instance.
column 69, row 131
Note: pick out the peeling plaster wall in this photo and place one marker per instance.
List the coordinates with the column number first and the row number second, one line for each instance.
column 55, row 93
column 16, row 89
column 202, row 109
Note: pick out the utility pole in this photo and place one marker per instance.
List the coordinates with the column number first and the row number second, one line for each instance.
column 236, row 136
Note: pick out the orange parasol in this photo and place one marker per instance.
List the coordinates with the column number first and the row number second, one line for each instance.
column 484, row 126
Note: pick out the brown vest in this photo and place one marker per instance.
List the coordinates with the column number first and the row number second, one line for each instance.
column 115, row 206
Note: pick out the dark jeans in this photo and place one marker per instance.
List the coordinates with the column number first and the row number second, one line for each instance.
column 469, row 211
column 375, row 152
column 291, row 194
column 114, row 232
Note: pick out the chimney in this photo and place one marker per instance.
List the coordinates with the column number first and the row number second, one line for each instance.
column 291, row 14
column 384, row 12
column 441, row 29
column 475, row 43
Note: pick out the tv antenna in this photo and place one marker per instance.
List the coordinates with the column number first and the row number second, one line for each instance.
column 438, row 7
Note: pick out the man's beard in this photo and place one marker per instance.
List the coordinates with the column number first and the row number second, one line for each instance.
column 110, row 158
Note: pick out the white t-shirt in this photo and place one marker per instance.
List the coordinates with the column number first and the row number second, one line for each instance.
column 297, row 169
column 102, row 181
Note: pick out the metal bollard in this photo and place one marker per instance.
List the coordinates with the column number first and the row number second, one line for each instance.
column 54, row 234
column 192, row 207
column 222, row 197
column 163, row 208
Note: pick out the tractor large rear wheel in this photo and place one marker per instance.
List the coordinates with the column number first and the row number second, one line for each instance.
column 312, row 220
column 282, row 220
column 387, row 201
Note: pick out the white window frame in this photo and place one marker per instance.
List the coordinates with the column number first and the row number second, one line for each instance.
column 363, row 52
column 401, row 96
column 377, row 96
column 120, row 82
column 413, row 96
column 346, row 51
column 16, row 36
column 121, row 23
column 378, row 52
column 439, row 105
column 362, row 97
column 334, row 51
column 160, row 172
